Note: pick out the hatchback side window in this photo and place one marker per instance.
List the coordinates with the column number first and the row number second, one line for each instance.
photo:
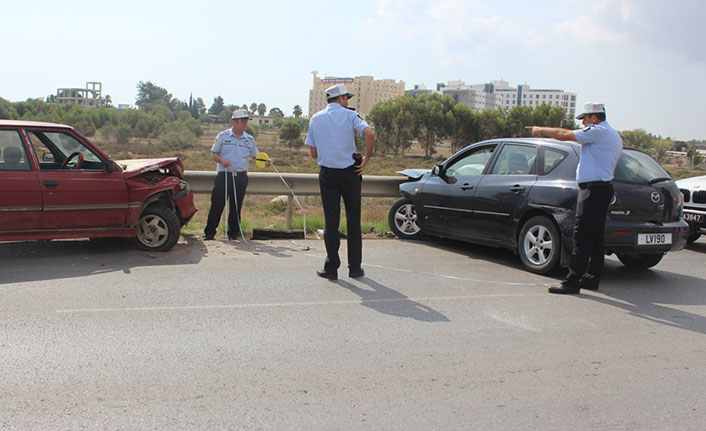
column 515, row 160
column 552, row 158
column 13, row 156
column 472, row 163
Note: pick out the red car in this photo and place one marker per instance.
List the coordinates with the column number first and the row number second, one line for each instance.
column 55, row 184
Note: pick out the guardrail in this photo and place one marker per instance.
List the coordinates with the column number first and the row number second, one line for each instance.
column 266, row 183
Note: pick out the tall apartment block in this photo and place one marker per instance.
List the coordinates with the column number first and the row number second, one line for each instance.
column 499, row 94
column 368, row 91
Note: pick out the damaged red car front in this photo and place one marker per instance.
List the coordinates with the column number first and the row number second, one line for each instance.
column 54, row 184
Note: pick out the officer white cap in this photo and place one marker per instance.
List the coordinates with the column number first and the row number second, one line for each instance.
column 239, row 113
column 337, row 90
column 591, row 108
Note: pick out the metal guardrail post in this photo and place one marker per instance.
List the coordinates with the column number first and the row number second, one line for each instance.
column 290, row 211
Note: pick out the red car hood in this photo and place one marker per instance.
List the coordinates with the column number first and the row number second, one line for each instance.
column 136, row 167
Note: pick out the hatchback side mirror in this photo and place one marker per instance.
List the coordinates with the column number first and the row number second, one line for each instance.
column 439, row 171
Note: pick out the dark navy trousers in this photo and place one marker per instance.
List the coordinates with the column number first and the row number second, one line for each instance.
column 336, row 184
column 588, row 256
column 218, row 198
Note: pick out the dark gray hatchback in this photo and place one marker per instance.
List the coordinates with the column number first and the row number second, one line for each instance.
column 521, row 194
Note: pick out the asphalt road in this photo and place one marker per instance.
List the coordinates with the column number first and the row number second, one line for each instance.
column 439, row 335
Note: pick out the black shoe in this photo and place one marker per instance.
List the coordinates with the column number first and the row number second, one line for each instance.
column 208, row 238
column 589, row 282
column 355, row 273
column 565, row 288
column 330, row 275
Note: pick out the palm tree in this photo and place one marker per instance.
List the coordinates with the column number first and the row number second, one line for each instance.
column 297, row 111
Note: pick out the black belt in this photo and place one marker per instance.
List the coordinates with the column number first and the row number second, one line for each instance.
column 338, row 169
column 594, row 183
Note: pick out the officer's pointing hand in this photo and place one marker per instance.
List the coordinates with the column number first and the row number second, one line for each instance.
column 535, row 130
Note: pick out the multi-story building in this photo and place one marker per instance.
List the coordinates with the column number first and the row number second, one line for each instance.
column 478, row 97
column 499, row 94
column 368, row 91
column 91, row 96
column 524, row 96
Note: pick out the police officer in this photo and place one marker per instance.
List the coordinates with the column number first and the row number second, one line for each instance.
column 331, row 141
column 232, row 149
column 601, row 148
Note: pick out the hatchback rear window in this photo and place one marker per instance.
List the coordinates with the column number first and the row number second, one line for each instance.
column 636, row 167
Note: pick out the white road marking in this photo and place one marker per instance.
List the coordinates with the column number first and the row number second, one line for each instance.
column 284, row 304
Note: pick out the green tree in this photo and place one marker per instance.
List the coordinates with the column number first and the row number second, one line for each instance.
column 393, row 121
column 151, row 94
column 660, row 149
column 252, row 130
column 433, row 119
column 639, row 139
column 517, row 118
column 178, row 136
column 122, row 135
column 217, row 106
column 253, row 108
column 491, row 124
column 276, row 112
column 466, row 129
column 196, row 107
column 289, row 132
column 297, row 111
column 7, row 110
column 261, row 109
column 693, row 155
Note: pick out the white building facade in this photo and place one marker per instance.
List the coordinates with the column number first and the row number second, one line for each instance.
column 500, row 95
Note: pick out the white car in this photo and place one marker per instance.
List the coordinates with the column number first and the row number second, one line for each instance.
column 694, row 191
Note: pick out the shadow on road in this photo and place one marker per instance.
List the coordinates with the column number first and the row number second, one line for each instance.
column 260, row 247
column 57, row 259
column 388, row 301
column 655, row 295
column 698, row 246
column 500, row 256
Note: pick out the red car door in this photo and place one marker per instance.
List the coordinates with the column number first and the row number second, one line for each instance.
column 20, row 197
column 78, row 190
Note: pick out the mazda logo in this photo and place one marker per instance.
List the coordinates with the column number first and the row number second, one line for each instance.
column 655, row 197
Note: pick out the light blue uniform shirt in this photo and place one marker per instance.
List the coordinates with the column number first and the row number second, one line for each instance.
column 332, row 133
column 237, row 149
column 601, row 148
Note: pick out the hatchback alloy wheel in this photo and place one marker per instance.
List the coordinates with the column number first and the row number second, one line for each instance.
column 539, row 245
column 403, row 220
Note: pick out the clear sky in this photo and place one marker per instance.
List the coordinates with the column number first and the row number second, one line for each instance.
column 643, row 58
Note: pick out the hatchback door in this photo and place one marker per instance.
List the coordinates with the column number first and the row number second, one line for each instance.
column 502, row 193
column 447, row 199
column 20, row 197
column 78, row 189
